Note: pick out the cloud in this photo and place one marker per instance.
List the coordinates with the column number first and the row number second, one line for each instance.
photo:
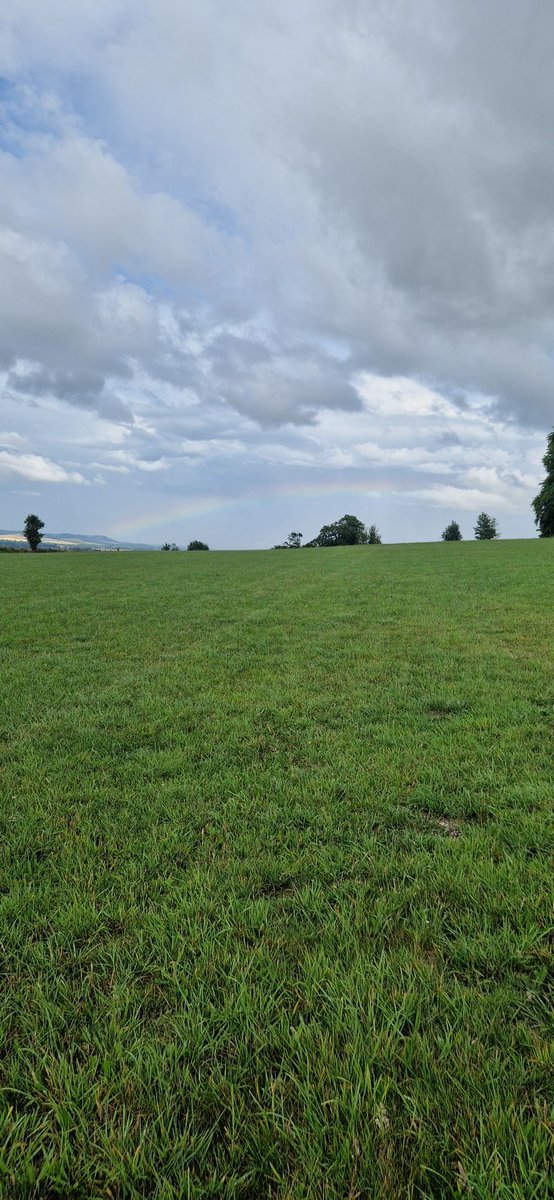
column 35, row 467
column 402, row 397
column 399, row 211
column 125, row 459
column 319, row 239
column 61, row 180
column 11, row 439
column 466, row 499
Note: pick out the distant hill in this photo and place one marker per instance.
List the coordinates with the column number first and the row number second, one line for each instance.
column 72, row 541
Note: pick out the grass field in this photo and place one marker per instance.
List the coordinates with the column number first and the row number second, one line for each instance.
column 275, row 873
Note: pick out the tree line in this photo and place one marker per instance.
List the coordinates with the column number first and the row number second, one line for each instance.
column 348, row 531
column 195, row 545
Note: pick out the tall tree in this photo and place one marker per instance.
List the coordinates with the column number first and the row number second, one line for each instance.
column 543, row 504
column 452, row 533
column 31, row 530
column 486, row 528
column 373, row 536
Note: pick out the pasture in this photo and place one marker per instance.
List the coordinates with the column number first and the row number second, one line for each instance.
column 275, row 873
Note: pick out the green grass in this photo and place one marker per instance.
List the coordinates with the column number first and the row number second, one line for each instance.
column 275, row 873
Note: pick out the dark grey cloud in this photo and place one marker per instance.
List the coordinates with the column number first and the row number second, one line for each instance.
column 84, row 388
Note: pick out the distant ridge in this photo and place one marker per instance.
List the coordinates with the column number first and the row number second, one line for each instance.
column 75, row 541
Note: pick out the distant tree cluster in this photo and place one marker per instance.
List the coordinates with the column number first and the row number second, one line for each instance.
column 191, row 546
column 348, row 531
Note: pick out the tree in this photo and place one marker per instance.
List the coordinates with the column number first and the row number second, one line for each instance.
column 373, row 536
column 293, row 542
column 170, row 546
column 486, row 528
column 349, row 531
column 31, row 530
column 452, row 533
column 543, row 504
column 198, row 546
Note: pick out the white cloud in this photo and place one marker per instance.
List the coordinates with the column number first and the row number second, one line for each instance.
column 401, row 397
column 111, row 467
column 34, row 466
column 11, row 439
column 469, row 499
column 125, row 459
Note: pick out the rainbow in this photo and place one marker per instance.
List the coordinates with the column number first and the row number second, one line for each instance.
column 204, row 506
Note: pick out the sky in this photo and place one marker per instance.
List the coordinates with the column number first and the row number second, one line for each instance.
column 265, row 263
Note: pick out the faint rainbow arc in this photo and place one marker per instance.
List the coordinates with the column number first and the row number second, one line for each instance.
column 185, row 510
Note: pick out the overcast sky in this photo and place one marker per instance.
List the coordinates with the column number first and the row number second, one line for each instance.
column 270, row 261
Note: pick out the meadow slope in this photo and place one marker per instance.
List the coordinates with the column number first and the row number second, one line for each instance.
column 275, row 873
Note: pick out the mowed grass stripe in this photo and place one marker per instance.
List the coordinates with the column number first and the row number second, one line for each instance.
column 275, row 873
